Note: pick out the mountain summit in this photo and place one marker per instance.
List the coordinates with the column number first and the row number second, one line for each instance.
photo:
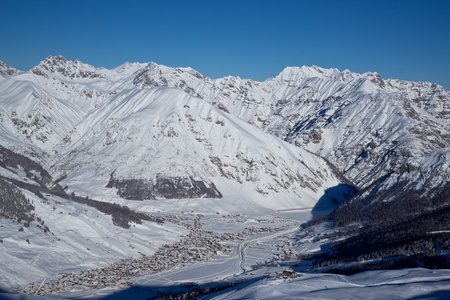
column 7, row 70
column 58, row 65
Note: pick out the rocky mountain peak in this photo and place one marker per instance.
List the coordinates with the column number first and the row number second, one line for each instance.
column 150, row 76
column 7, row 70
column 55, row 60
column 59, row 66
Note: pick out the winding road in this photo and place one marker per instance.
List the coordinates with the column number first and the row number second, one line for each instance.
column 245, row 244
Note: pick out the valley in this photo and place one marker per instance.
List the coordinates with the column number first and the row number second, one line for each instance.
column 227, row 249
column 147, row 181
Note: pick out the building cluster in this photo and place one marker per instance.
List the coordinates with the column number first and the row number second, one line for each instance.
column 284, row 252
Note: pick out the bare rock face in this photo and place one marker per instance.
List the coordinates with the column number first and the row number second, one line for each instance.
column 69, row 69
column 154, row 75
column 7, row 70
column 169, row 188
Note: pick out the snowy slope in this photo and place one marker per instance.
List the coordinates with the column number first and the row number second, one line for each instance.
column 42, row 106
column 43, row 235
column 363, row 124
column 162, row 133
column 399, row 284
column 96, row 125
column 80, row 238
column 120, row 125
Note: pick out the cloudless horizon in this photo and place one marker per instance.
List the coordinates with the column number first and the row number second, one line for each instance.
column 408, row 40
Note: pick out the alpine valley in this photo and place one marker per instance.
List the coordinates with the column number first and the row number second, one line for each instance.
column 147, row 181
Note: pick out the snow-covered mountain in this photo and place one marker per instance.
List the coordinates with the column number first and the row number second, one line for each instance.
column 363, row 124
column 367, row 127
column 308, row 137
column 147, row 122
column 7, row 70
column 141, row 130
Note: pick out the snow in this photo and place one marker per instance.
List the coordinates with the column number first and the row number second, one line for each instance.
column 143, row 120
column 150, row 132
column 80, row 238
column 357, row 100
column 401, row 284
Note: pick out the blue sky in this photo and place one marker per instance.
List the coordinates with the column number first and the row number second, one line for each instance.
column 408, row 40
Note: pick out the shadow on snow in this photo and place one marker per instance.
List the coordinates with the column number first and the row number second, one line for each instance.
column 331, row 199
column 181, row 291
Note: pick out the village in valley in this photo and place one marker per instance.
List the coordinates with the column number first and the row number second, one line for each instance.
column 199, row 245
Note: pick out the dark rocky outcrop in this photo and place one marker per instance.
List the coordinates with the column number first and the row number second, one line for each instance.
column 164, row 187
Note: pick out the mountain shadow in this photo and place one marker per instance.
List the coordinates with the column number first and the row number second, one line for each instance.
column 332, row 198
column 180, row 291
column 437, row 295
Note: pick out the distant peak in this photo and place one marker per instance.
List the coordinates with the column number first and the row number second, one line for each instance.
column 127, row 64
column 58, row 59
column 129, row 68
column 7, row 70
column 70, row 69
column 296, row 73
column 152, row 65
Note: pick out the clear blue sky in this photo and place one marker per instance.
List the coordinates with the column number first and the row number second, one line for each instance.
column 408, row 40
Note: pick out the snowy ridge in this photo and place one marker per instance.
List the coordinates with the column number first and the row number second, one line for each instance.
column 150, row 133
column 58, row 66
column 363, row 124
column 164, row 140
column 95, row 121
column 366, row 126
column 6, row 70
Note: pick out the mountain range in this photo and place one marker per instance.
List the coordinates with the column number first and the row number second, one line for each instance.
column 309, row 137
